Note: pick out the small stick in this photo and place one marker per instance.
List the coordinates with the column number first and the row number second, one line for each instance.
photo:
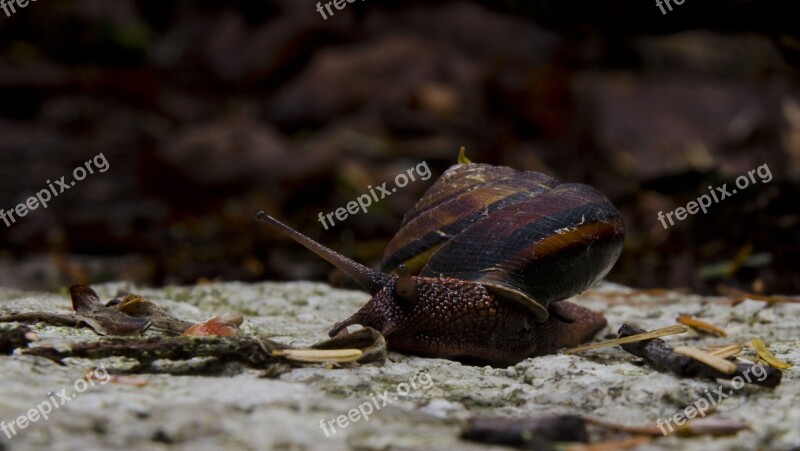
column 671, row 330
column 658, row 353
column 54, row 319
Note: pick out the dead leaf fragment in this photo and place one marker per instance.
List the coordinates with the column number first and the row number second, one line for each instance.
column 226, row 325
column 140, row 307
column 766, row 355
column 104, row 320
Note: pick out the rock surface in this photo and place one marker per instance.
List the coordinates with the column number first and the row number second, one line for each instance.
column 245, row 411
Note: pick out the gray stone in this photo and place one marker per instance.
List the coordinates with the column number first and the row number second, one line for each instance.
column 245, row 411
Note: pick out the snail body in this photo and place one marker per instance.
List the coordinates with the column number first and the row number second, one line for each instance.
column 481, row 263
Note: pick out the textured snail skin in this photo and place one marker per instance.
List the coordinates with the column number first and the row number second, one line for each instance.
column 459, row 320
column 482, row 264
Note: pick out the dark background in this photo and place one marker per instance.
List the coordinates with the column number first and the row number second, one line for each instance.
column 208, row 111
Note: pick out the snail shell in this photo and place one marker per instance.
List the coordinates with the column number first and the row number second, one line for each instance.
column 523, row 235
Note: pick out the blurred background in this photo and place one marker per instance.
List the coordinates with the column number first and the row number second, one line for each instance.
column 208, row 111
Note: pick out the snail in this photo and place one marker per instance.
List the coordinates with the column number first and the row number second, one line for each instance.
column 482, row 263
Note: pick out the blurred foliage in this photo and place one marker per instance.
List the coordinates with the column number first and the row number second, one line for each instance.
column 208, row 111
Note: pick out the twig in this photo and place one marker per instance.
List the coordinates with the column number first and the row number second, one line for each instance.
column 658, row 353
column 53, row 319
column 253, row 351
column 248, row 350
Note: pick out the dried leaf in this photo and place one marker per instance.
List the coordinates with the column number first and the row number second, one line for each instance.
column 766, row 355
column 226, row 325
column 104, row 320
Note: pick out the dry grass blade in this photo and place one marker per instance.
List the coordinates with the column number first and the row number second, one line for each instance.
column 701, row 325
column 766, row 355
column 726, row 352
column 320, row 355
column 718, row 363
column 671, row 330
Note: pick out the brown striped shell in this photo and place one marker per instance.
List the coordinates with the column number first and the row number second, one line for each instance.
column 521, row 234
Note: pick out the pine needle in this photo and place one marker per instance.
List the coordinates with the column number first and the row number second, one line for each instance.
column 718, row 363
column 671, row 330
column 701, row 325
column 726, row 352
column 320, row 355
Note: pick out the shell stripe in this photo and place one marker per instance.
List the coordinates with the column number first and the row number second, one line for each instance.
column 449, row 220
column 558, row 237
